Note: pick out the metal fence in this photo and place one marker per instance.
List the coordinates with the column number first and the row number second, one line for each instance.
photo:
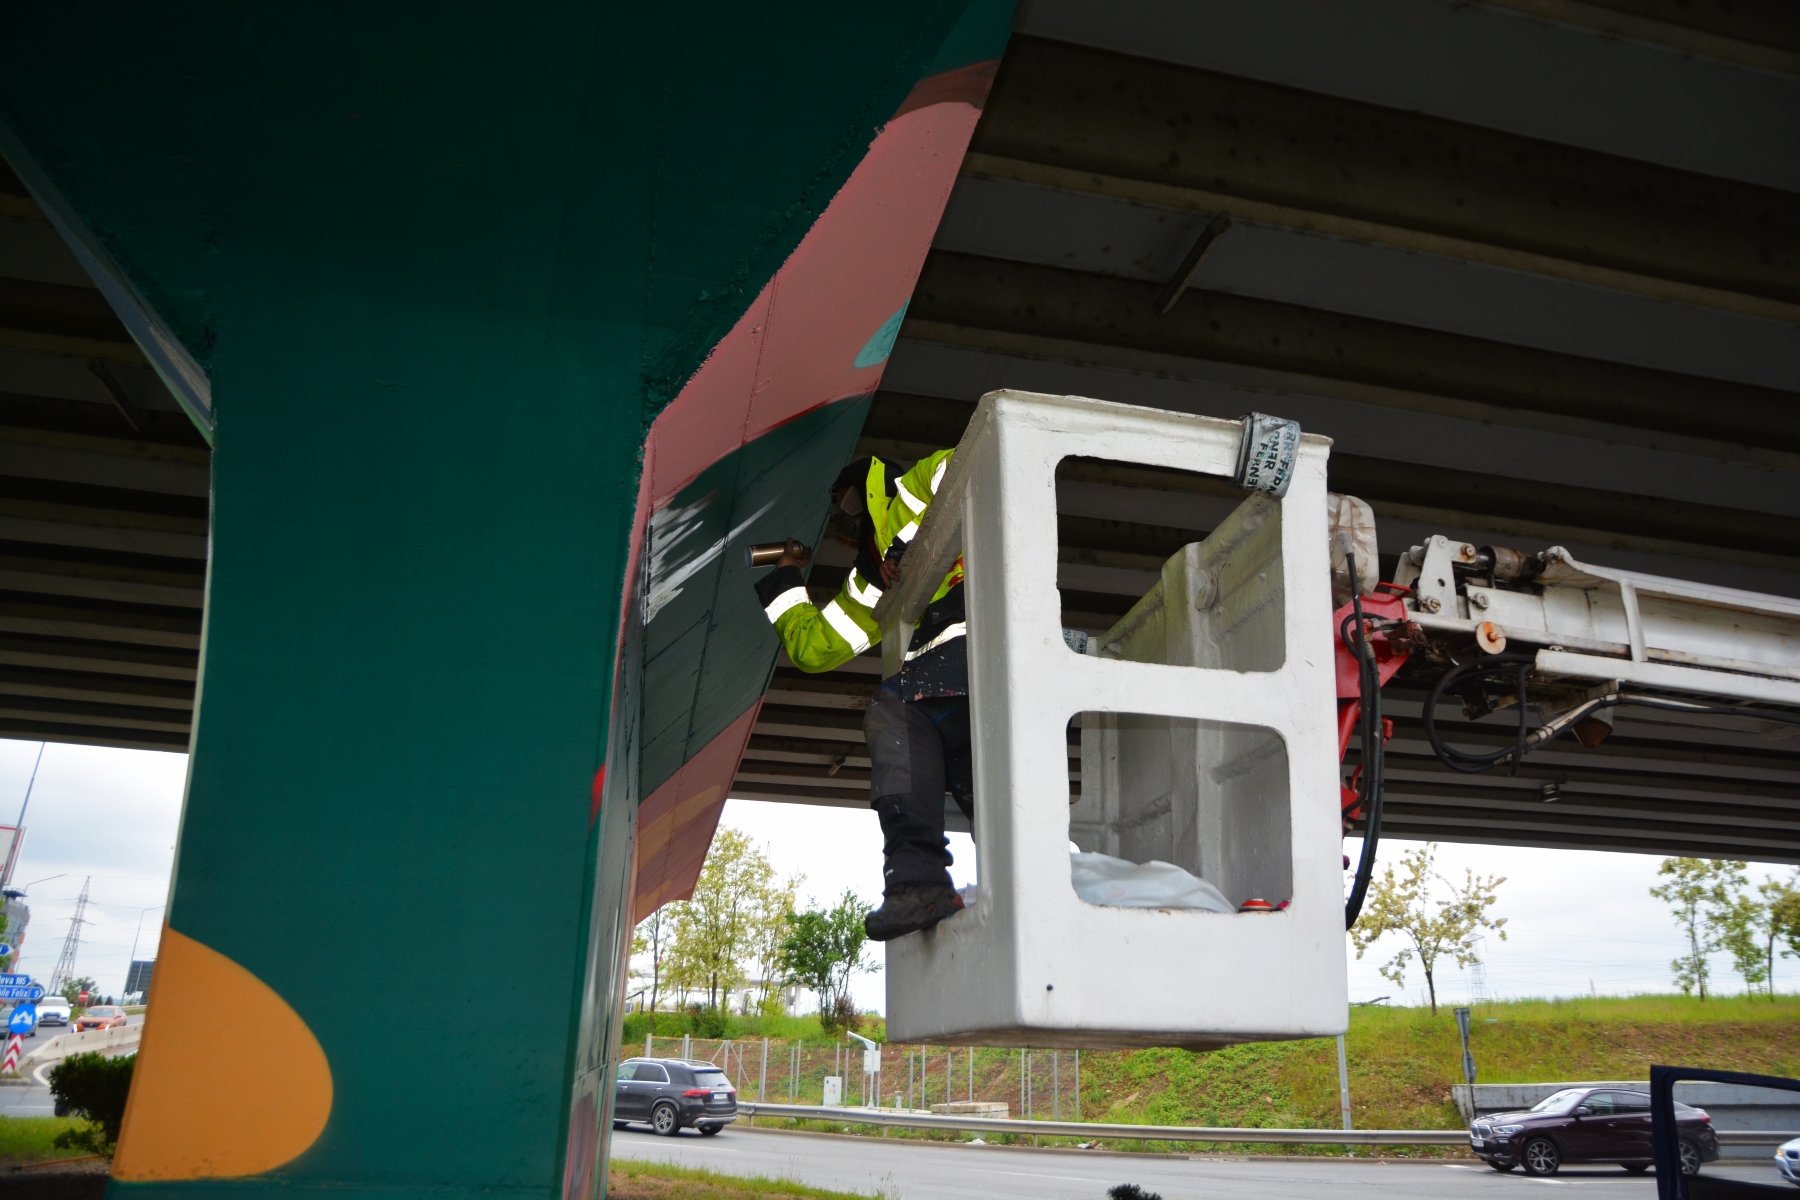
column 1031, row 1083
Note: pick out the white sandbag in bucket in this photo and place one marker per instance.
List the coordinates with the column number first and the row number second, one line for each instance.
column 1103, row 879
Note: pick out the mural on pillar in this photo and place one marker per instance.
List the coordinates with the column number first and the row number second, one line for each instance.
column 482, row 301
column 744, row 455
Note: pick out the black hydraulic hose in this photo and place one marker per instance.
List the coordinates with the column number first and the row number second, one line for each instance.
column 1464, row 761
column 1469, row 763
column 1369, row 792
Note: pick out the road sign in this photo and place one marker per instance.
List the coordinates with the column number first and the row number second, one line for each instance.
column 32, row 992
column 5, row 950
column 13, row 980
column 12, row 1054
column 23, row 1019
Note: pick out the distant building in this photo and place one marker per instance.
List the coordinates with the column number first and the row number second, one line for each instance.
column 137, row 980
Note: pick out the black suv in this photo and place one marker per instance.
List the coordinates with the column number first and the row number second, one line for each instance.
column 1588, row 1125
column 670, row 1093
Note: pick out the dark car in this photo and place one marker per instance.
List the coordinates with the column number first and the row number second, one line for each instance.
column 1588, row 1125
column 673, row 1093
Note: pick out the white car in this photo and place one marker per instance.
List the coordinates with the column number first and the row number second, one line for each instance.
column 1787, row 1161
column 53, row 1010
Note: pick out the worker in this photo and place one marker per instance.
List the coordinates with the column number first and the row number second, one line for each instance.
column 917, row 725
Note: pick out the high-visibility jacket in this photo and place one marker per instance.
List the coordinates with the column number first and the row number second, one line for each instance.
column 820, row 638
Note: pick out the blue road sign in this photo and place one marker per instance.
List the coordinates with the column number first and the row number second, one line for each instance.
column 13, row 980
column 5, row 950
column 23, row 1019
column 32, row 992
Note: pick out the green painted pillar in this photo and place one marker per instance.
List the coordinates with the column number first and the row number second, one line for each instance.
column 441, row 266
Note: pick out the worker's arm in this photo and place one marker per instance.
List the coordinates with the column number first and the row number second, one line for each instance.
column 913, row 494
column 818, row 639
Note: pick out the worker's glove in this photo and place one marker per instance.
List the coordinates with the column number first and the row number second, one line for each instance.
column 890, row 565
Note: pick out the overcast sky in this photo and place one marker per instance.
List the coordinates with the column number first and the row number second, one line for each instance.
column 1578, row 920
column 100, row 814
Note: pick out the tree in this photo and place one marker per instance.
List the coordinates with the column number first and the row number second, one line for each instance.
column 1738, row 928
column 769, row 930
column 822, row 950
column 713, row 931
column 1437, row 926
column 1781, row 901
column 1699, row 892
column 1749, row 926
column 652, row 937
column 71, row 991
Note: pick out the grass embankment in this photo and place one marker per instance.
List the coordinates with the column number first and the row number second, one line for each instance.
column 27, row 1139
column 630, row 1180
column 1403, row 1062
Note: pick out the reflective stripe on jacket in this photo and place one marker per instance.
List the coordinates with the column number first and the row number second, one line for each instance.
column 818, row 638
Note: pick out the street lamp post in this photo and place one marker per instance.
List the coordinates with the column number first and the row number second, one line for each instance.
column 19, row 829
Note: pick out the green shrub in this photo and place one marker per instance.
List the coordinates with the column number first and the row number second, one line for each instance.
column 635, row 1026
column 709, row 1023
column 92, row 1086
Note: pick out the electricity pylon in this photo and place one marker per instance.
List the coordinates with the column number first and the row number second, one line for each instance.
column 65, row 962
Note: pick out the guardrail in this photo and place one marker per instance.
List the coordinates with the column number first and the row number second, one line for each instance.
column 1755, row 1137
column 902, row 1119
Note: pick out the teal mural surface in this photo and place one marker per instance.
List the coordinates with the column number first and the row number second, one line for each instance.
column 708, row 647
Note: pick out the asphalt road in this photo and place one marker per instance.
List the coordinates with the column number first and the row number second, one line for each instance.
column 940, row 1171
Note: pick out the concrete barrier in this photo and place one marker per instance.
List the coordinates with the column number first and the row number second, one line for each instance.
column 64, row 1044
column 973, row 1108
column 1746, row 1118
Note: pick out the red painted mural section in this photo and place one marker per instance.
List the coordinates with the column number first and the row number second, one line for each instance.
column 795, row 349
column 677, row 820
column 796, row 346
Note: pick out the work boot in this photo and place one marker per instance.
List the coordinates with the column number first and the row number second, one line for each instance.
column 910, row 907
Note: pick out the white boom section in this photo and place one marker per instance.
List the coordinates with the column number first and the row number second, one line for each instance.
column 1606, row 624
column 1031, row 962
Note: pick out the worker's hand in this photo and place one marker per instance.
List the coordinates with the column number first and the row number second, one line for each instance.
column 890, row 563
column 795, row 555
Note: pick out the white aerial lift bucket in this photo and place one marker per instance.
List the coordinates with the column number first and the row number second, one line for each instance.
column 1207, row 740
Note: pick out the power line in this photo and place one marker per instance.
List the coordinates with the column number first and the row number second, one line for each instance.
column 65, row 963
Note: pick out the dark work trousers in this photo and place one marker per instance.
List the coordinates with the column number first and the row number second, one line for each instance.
column 917, row 750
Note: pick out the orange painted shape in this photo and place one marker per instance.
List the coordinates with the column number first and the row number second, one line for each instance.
column 229, row 1082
